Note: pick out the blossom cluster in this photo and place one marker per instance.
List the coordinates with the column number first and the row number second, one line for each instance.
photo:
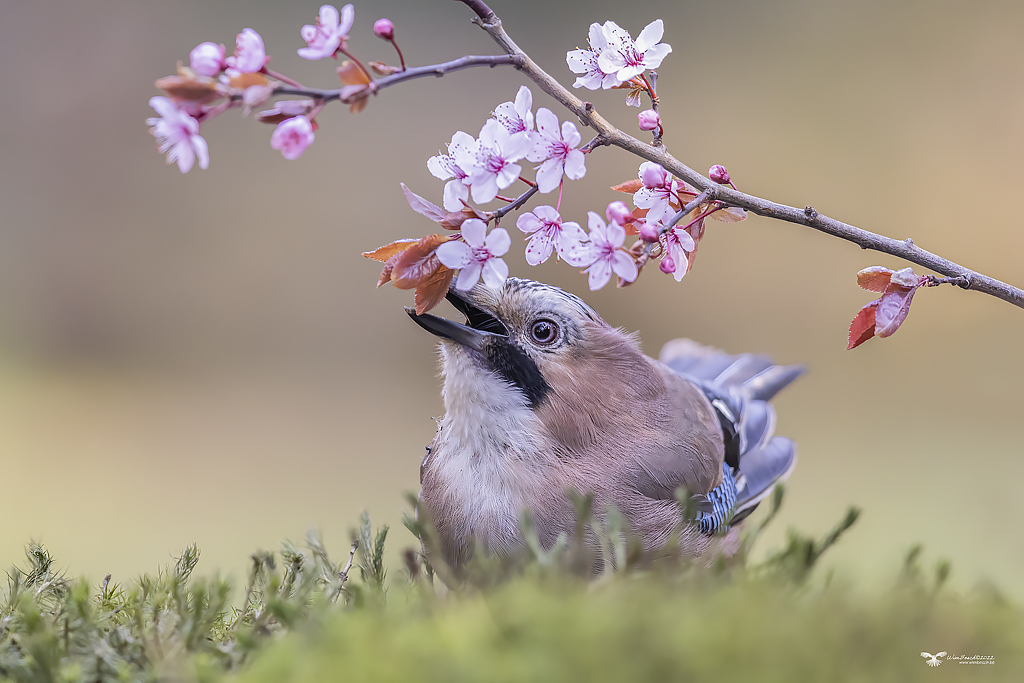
column 613, row 59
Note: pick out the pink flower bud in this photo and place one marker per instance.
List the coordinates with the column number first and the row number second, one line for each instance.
column 648, row 120
column 719, row 174
column 292, row 136
column 668, row 264
column 653, row 175
column 648, row 232
column 618, row 212
column 207, row 59
column 384, row 29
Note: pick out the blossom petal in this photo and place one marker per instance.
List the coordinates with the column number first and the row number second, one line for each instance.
column 202, row 151
column 329, row 17
column 455, row 255
column 455, row 192
column 571, row 230
column 539, row 248
column 654, row 56
column 600, row 272
column 624, row 265
column 616, row 235
column 495, row 272
column 529, row 223
column 348, row 15
column 549, row 175
column 469, row 276
column 650, row 36
column 164, row 106
column 570, row 134
column 547, row 123
column 575, row 165
column 474, row 231
column 498, row 242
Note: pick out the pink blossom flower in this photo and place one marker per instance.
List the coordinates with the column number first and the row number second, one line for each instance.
column 490, row 161
column 292, row 136
column 586, row 62
column 384, row 29
column 607, row 253
column 678, row 243
column 648, row 119
column 719, row 174
column 480, row 254
column 444, row 167
column 517, row 117
column 329, row 33
column 618, row 212
column 626, row 58
column 658, row 192
column 177, row 134
column 207, row 59
column 250, row 55
column 556, row 148
column 548, row 233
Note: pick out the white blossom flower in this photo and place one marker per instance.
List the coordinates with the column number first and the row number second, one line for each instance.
column 585, row 62
column 490, row 161
column 607, row 253
column 479, row 255
column 556, row 148
column 550, row 233
column 177, row 134
column 444, row 167
column 628, row 59
column 292, row 137
column 328, row 34
column 658, row 192
column 517, row 116
column 250, row 55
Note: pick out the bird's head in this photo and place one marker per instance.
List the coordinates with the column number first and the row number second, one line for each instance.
column 536, row 346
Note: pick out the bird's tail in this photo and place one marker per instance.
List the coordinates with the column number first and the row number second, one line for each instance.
column 740, row 388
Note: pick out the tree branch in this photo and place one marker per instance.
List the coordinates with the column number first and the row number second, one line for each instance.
column 610, row 135
column 436, row 70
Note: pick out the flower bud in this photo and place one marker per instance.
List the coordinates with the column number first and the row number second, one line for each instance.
column 668, row 264
column 618, row 212
column 719, row 174
column 384, row 29
column 648, row 232
column 648, row 120
column 653, row 175
column 207, row 59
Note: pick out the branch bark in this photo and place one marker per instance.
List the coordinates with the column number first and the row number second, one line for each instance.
column 607, row 134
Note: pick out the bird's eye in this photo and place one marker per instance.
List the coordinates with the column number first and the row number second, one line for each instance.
column 544, row 331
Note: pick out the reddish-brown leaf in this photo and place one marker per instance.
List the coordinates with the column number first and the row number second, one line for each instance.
column 243, row 81
column 383, row 69
column 389, row 266
column 417, row 263
column 863, row 326
column 455, row 219
column 874, row 279
column 190, row 88
column 892, row 309
column 382, row 254
column 423, row 206
column 629, row 186
column 730, row 215
column 431, row 292
column 351, row 74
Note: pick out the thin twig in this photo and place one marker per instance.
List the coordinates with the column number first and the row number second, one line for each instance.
column 343, row 574
column 516, row 203
column 904, row 249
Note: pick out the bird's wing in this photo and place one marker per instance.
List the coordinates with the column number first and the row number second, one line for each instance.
column 689, row 451
column 940, row 654
column 926, row 655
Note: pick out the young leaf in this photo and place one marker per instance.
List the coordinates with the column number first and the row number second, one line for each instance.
column 874, row 279
column 430, row 293
column 422, row 206
column 417, row 263
column 384, row 253
column 892, row 309
column 731, row 214
column 863, row 326
column 630, row 186
column 389, row 266
column 351, row 74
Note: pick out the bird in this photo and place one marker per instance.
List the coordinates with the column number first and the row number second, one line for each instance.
column 933, row 660
column 543, row 398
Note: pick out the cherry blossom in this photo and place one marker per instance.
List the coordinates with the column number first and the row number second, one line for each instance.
column 383, row 28
column 328, row 34
column 618, row 212
column 207, row 59
column 607, row 254
column 177, row 134
column 250, row 55
column 658, row 192
column 556, row 148
column 628, row 59
column 490, row 161
column 549, row 233
column 479, row 255
column 678, row 243
column 586, row 62
column 648, row 119
column 292, row 137
column 517, row 116
column 444, row 167
column 719, row 174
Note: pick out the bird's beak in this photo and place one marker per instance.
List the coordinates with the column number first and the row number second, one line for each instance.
column 481, row 326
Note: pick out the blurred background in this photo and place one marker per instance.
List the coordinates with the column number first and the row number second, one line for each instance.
column 204, row 357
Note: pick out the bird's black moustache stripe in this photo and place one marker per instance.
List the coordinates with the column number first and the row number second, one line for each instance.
column 515, row 367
